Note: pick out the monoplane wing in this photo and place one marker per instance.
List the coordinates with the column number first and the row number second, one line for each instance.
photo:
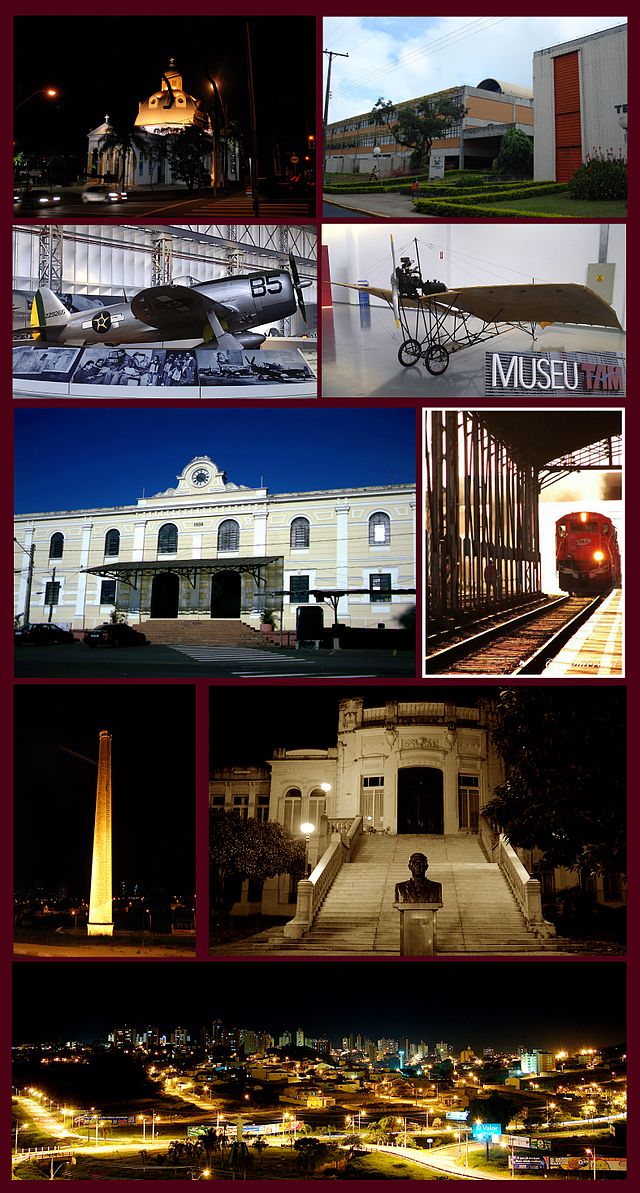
column 546, row 302
column 176, row 309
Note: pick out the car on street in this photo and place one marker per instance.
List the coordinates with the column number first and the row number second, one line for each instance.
column 43, row 633
column 97, row 193
column 114, row 634
column 35, row 200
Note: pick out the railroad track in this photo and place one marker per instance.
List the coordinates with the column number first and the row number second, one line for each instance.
column 520, row 646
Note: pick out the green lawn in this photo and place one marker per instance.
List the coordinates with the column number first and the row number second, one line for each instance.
column 563, row 205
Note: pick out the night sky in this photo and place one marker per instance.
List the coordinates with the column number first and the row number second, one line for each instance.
column 74, row 459
column 549, row 1004
column 107, row 64
column 299, row 717
column 153, row 788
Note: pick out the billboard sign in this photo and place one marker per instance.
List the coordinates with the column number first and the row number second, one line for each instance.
column 485, row 1131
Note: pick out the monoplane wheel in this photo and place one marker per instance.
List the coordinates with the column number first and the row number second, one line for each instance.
column 409, row 353
column 436, row 360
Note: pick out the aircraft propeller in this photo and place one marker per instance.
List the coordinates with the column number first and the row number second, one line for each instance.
column 395, row 289
column 298, row 286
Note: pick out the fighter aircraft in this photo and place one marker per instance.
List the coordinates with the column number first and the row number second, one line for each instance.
column 441, row 323
column 219, row 313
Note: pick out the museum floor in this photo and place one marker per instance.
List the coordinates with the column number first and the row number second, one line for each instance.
column 360, row 355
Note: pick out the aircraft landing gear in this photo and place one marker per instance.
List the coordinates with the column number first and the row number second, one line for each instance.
column 409, row 353
column 436, row 360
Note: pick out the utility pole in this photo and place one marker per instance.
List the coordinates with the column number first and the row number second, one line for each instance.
column 254, row 135
column 52, row 592
column 27, row 596
column 331, row 54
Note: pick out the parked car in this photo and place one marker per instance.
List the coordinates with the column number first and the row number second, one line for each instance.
column 114, row 634
column 36, row 200
column 43, row 633
column 95, row 192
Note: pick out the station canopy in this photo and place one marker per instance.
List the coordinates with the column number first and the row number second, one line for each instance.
column 538, row 437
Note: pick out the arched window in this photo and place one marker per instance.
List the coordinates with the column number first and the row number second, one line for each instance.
column 229, row 535
column 292, row 810
column 56, row 545
column 379, row 529
column 112, row 542
column 168, row 539
column 317, row 805
column 299, row 534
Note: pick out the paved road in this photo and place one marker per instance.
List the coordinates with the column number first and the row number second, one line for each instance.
column 444, row 1159
column 177, row 206
column 374, row 206
column 78, row 662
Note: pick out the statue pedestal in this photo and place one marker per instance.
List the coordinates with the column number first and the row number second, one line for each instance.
column 417, row 928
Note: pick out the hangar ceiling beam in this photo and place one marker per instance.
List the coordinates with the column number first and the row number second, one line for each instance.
column 251, row 240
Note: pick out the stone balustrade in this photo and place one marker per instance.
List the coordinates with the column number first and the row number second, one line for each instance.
column 313, row 890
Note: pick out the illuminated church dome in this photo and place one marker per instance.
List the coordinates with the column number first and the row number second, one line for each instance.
column 171, row 108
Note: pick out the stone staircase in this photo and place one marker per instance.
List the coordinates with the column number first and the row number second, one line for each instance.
column 212, row 632
column 480, row 914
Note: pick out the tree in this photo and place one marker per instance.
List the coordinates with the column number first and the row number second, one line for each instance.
column 497, row 1108
column 251, row 849
column 418, row 125
column 127, row 143
column 310, row 1152
column 565, row 788
column 515, row 156
column 188, row 152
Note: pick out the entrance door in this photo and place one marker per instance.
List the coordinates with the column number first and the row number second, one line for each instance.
column 225, row 594
column 420, row 800
column 165, row 592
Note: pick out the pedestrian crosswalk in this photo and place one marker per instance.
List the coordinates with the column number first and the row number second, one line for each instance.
column 240, row 660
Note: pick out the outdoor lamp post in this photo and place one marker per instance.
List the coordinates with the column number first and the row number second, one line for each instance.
column 49, row 92
column 591, row 1151
column 307, row 828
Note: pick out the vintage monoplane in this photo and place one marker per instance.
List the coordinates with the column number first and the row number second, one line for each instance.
column 437, row 320
column 219, row 313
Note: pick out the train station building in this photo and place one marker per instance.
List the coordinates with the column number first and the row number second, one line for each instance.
column 208, row 549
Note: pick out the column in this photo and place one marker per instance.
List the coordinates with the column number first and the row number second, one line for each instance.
column 342, row 556
column 101, row 899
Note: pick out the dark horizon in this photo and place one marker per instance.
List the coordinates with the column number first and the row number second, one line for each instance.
column 505, row 1004
column 153, row 785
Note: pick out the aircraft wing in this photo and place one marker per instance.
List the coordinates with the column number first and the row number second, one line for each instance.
column 547, row 302
column 174, row 309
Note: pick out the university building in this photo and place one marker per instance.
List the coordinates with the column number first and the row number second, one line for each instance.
column 492, row 108
column 212, row 550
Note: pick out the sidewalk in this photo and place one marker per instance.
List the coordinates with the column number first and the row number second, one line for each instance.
column 442, row 1159
column 382, row 206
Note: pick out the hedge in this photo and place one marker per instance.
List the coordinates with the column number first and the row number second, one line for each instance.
column 433, row 207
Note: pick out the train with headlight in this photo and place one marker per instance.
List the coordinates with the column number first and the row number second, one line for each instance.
column 587, row 553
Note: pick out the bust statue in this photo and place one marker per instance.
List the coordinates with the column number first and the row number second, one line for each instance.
column 418, row 888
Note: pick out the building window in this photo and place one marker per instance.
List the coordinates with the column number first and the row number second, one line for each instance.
column 262, row 808
column 380, row 588
column 229, row 535
column 112, row 542
column 372, row 801
column 168, row 539
column 52, row 592
column 468, row 802
column 56, row 545
column 241, row 806
column 379, row 530
column 292, row 811
column 108, row 592
column 299, row 534
column 611, row 887
column 317, row 806
column 217, row 801
column 299, row 590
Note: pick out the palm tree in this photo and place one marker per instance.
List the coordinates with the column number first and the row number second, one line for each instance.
column 125, row 144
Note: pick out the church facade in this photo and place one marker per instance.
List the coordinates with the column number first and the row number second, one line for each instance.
column 212, row 549
column 165, row 113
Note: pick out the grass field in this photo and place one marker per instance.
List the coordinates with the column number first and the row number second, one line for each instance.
column 562, row 205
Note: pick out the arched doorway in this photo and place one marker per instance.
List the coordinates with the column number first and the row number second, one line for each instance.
column 165, row 592
column 420, row 800
column 225, row 594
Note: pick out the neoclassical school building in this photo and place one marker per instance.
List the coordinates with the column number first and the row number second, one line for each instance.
column 208, row 548
column 412, row 768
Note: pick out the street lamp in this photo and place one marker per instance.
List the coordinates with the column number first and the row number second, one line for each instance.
column 307, row 828
column 592, row 1152
column 49, row 92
